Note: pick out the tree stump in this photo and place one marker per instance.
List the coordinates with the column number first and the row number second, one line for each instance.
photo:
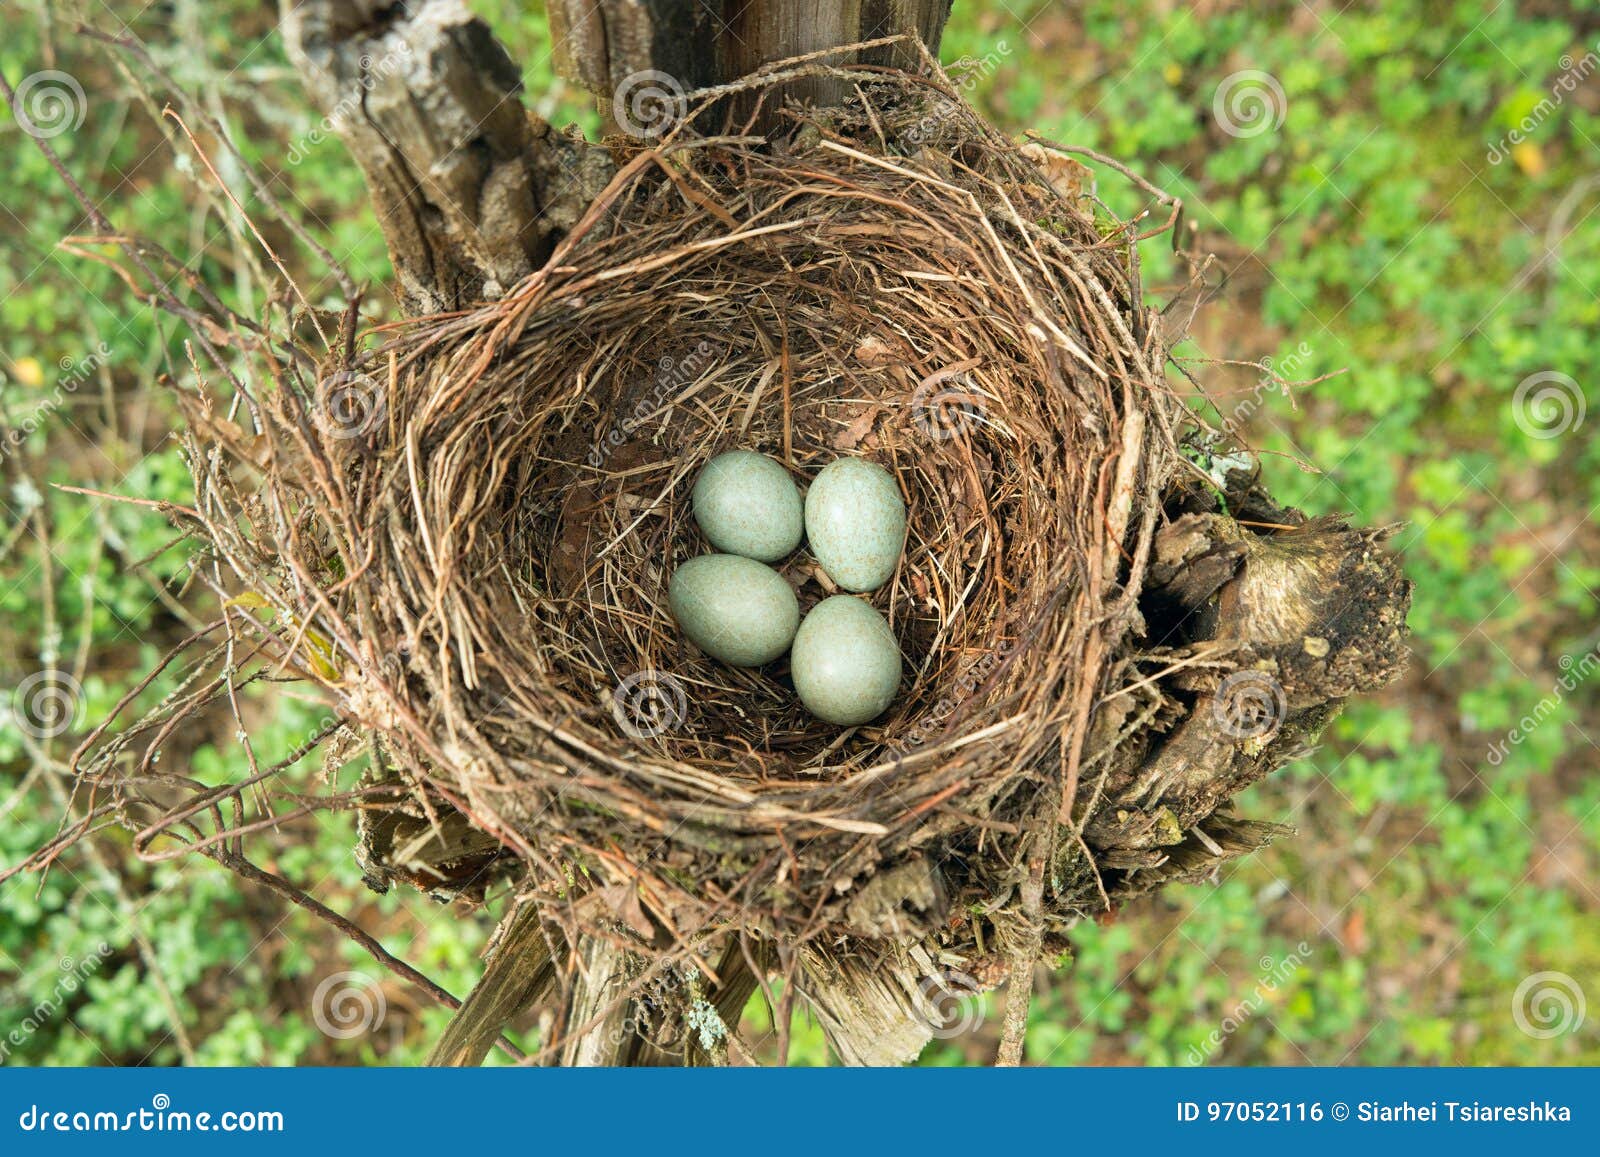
column 474, row 194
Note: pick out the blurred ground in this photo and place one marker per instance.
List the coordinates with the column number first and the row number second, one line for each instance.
column 1407, row 192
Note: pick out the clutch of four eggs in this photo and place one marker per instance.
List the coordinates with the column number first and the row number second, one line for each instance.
column 845, row 660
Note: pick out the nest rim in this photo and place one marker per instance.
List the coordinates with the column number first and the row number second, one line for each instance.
column 1057, row 431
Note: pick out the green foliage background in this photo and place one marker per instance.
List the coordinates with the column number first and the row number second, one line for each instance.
column 1371, row 230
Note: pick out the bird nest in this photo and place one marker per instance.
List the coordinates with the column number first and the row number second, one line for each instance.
column 464, row 530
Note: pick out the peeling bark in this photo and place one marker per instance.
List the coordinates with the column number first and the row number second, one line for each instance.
column 468, row 186
column 700, row 43
column 519, row 972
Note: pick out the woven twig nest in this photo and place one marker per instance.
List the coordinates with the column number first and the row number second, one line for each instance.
column 465, row 533
column 462, row 529
column 472, row 529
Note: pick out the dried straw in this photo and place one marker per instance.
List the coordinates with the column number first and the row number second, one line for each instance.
column 465, row 533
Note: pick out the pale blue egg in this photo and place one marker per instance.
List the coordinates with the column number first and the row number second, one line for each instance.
column 734, row 608
column 845, row 662
column 747, row 504
column 856, row 523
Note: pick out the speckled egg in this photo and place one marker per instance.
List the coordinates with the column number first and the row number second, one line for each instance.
column 845, row 662
column 734, row 608
column 856, row 523
column 747, row 504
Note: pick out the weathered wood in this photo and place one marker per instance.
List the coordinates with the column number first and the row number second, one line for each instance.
column 610, row 45
column 519, row 972
column 600, row 1002
column 463, row 179
column 701, row 1042
column 877, row 1009
column 443, row 854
